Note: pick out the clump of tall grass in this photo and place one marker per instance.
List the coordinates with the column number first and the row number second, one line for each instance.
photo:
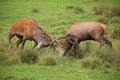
column 35, row 10
column 98, row 8
column 116, row 31
column 76, row 9
column 10, row 57
column 29, row 56
column 106, row 10
column 7, row 77
column 12, row 60
column 69, row 7
column 114, row 57
column 91, row 62
column 4, row 46
column 114, row 20
column 103, row 54
column 102, row 19
column 112, row 11
column 98, row 59
column 108, row 56
column 3, row 58
column 48, row 60
column 52, row 59
column 87, row 47
column 94, row 62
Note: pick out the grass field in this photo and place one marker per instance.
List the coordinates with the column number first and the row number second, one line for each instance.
column 55, row 16
column 33, row 72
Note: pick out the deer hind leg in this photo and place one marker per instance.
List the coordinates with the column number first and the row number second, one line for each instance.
column 101, row 43
column 10, row 37
column 18, row 42
column 107, row 42
column 100, row 39
column 23, row 42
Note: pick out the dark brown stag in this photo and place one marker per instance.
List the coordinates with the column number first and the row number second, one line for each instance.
column 28, row 29
column 81, row 32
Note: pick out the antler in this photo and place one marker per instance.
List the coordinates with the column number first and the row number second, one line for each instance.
column 51, row 44
column 66, row 37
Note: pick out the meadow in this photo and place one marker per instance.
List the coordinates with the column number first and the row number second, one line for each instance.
column 56, row 16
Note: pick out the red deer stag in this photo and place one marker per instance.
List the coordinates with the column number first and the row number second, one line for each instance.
column 81, row 32
column 28, row 29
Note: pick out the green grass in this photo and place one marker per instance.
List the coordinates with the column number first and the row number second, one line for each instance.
column 34, row 72
column 55, row 16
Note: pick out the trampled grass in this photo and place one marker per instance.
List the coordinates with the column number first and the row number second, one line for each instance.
column 55, row 16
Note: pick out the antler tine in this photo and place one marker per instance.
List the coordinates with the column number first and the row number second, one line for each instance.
column 64, row 36
column 61, row 37
column 51, row 44
column 70, row 40
column 67, row 34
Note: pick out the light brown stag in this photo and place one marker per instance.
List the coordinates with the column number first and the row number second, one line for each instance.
column 81, row 32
